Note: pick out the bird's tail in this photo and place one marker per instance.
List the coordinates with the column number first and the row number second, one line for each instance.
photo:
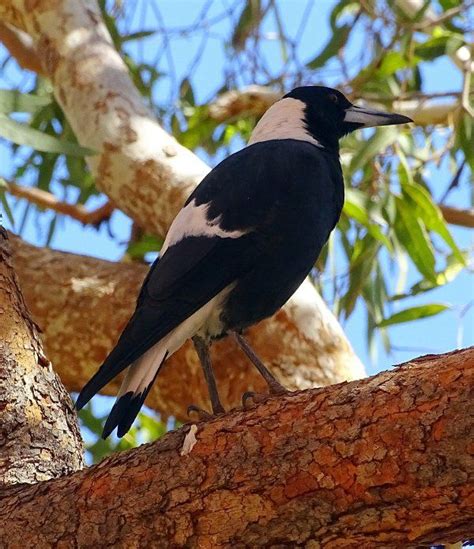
column 135, row 388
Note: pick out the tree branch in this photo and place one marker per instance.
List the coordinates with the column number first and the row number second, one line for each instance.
column 21, row 47
column 82, row 304
column 39, row 436
column 382, row 462
column 456, row 216
column 47, row 200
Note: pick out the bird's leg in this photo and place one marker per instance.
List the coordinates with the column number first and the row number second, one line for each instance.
column 275, row 387
column 202, row 350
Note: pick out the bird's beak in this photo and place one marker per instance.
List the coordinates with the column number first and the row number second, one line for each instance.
column 368, row 118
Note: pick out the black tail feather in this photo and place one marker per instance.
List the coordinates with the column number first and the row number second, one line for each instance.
column 126, row 409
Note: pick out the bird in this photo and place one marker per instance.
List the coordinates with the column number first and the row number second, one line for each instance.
column 243, row 242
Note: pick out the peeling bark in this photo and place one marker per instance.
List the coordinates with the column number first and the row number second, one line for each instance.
column 148, row 175
column 382, row 462
column 83, row 303
column 39, row 436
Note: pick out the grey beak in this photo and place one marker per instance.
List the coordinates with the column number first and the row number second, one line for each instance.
column 368, row 118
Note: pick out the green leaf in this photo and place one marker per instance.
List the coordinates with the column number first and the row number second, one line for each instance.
column 14, row 101
column 413, row 236
column 4, row 202
column 148, row 243
column 335, row 43
column 431, row 215
column 438, row 45
column 137, row 35
column 453, row 268
column 413, row 313
column 21, row 134
column 392, row 62
column 381, row 139
column 249, row 19
column 342, row 8
column 354, row 208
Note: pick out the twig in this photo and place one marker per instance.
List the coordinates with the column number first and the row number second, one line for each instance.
column 456, row 216
column 21, row 47
column 47, row 200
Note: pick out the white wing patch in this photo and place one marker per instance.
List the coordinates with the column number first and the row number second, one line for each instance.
column 283, row 120
column 192, row 220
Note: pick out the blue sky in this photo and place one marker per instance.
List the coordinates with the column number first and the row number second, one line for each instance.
column 437, row 334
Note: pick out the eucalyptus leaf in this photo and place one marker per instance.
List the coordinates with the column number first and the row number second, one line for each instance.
column 381, row 139
column 21, row 134
column 335, row 43
column 414, row 238
column 413, row 313
column 15, row 101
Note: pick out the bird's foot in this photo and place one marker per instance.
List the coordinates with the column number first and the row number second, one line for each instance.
column 199, row 414
column 250, row 398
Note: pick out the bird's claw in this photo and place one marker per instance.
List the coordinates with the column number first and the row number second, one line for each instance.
column 250, row 399
column 198, row 414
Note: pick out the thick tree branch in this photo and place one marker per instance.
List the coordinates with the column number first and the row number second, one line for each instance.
column 39, row 436
column 82, row 304
column 44, row 199
column 382, row 462
column 142, row 169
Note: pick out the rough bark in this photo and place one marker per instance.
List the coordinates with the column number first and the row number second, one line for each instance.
column 382, row 462
column 82, row 304
column 39, row 436
column 145, row 172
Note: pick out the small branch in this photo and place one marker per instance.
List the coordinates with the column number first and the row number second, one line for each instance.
column 456, row 216
column 382, row 462
column 448, row 14
column 21, row 47
column 47, row 200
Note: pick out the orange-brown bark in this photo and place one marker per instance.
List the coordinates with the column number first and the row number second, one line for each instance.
column 382, row 462
column 39, row 436
column 82, row 303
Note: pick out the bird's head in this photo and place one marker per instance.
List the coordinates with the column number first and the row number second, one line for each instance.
column 320, row 115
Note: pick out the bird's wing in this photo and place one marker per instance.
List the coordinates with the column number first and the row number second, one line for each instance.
column 213, row 241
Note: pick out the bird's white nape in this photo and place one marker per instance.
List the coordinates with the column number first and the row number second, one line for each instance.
column 285, row 119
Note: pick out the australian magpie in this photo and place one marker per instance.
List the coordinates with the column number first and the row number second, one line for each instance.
column 242, row 244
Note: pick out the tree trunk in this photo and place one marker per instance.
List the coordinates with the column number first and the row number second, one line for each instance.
column 382, row 462
column 39, row 436
column 83, row 303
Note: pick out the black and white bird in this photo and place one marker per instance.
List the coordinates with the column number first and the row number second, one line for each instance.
column 242, row 244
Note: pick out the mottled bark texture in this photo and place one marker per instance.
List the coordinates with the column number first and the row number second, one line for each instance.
column 382, row 462
column 39, row 436
column 82, row 304
column 148, row 175
column 142, row 168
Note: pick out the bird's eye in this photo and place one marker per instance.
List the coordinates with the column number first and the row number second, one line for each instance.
column 334, row 98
